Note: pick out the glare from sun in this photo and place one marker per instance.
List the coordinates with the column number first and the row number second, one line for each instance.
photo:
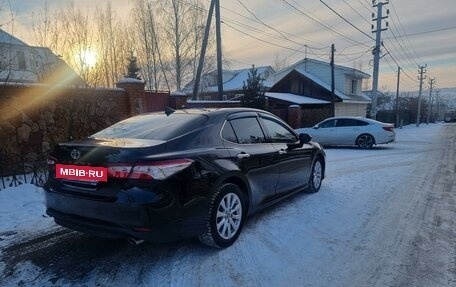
column 88, row 58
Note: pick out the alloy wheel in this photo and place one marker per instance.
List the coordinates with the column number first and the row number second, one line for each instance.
column 229, row 216
column 365, row 141
column 316, row 175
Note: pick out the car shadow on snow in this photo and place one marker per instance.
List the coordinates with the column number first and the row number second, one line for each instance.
column 68, row 257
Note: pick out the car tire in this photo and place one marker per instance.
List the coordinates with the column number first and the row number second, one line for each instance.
column 316, row 176
column 365, row 141
column 225, row 217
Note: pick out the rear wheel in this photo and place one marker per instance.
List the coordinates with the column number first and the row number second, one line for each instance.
column 316, row 176
column 225, row 218
column 365, row 141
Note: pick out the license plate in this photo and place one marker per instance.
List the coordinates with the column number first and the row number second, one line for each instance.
column 82, row 173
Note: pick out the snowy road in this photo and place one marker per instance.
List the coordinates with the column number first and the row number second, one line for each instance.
column 384, row 217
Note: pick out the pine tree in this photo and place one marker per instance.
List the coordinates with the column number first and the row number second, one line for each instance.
column 254, row 91
column 132, row 67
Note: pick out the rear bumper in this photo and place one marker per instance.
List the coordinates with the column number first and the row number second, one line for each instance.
column 387, row 138
column 124, row 218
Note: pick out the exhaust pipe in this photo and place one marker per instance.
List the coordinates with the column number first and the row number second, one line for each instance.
column 134, row 241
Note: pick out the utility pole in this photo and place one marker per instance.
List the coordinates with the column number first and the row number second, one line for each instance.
column 333, row 96
column 305, row 58
column 437, row 101
column 422, row 71
column 219, row 50
column 431, row 85
column 199, row 70
column 376, row 52
column 397, row 95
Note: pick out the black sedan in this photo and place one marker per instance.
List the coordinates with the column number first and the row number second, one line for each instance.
column 179, row 174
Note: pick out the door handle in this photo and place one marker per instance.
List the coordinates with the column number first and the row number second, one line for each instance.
column 282, row 151
column 243, row 155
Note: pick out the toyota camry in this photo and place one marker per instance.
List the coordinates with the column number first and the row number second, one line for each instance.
column 179, row 174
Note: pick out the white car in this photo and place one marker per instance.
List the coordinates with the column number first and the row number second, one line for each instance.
column 358, row 131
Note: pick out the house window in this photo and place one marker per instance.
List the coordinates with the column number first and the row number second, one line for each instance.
column 354, row 83
column 21, row 60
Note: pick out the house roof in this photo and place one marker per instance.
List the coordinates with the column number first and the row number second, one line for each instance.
column 345, row 98
column 235, row 81
column 347, row 70
column 296, row 99
column 10, row 39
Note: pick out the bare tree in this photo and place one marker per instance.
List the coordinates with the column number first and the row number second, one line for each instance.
column 166, row 37
column 148, row 44
column 113, row 46
column 279, row 64
column 182, row 22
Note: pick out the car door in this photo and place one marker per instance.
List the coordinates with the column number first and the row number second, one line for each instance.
column 295, row 162
column 254, row 156
column 348, row 130
column 325, row 132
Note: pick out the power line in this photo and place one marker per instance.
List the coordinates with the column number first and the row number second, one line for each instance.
column 356, row 11
column 258, row 21
column 296, row 9
column 236, row 23
column 263, row 23
column 368, row 8
column 402, row 27
column 251, row 28
column 357, row 58
column 391, row 56
column 350, row 23
column 424, row 32
column 259, row 39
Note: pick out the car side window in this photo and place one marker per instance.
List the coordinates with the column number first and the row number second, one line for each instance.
column 328, row 124
column 350, row 123
column 278, row 132
column 247, row 130
column 346, row 123
column 228, row 133
column 361, row 123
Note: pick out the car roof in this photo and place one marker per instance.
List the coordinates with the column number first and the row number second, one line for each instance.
column 355, row 118
column 214, row 111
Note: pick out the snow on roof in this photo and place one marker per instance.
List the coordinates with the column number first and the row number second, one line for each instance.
column 130, row 81
column 237, row 82
column 177, row 94
column 297, row 99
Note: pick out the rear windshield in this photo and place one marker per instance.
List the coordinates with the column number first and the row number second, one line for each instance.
column 153, row 127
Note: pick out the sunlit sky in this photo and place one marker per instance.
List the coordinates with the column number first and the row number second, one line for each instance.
column 287, row 26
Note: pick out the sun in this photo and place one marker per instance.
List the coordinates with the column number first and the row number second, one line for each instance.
column 88, row 58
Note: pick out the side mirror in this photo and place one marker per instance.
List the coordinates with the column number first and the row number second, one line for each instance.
column 316, row 127
column 304, row 138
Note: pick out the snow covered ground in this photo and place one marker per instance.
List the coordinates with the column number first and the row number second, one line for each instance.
column 383, row 217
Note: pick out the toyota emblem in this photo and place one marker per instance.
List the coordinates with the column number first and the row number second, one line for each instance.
column 75, row 154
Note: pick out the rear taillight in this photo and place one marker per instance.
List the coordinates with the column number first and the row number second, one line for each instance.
column 154, row 170
column 389, row 129
column 51, row 162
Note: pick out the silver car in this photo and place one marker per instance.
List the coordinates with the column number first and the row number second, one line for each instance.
column 358, row 131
